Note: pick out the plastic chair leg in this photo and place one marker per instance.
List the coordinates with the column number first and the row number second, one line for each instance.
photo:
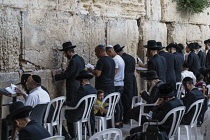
column 104, row 124
column 196, row 132
column 188, row 129
column 89, row 128
column 79, row 130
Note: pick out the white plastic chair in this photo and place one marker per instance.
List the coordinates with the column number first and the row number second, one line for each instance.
column 89, row 101
column 179, row 89
column 112, row 99
column 49, row 124
column 193, row 124
column 135, row 100
column 55, row 138
column 177, row 114
column 108, row 134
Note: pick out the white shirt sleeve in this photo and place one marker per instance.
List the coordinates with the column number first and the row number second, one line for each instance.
column 31, row 101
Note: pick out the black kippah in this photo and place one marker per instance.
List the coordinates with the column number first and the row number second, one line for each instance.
column 37, row 79
column 186, row 65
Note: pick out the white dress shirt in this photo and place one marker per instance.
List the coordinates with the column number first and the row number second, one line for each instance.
column 120, row 66
column 190, row 74
column 37, row 96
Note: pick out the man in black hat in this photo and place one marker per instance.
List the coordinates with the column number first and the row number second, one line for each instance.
column 151, row 96
column 178, row 60
column 166, row 102
column 170, row 73
column 156, row 62
column 207, row 47
column 192, row 95
column 104, row 71
column 28, row 129
column 193, row 59
column 76, row 64
column 84, row 89
column 130, row 86
column 36, row 94
column 201, row 54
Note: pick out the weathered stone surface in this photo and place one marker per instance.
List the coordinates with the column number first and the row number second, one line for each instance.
column 205, row 33
column 177, row 33
column 201, row 18
column 193, row 33
column 10, row 39
column 153, row 30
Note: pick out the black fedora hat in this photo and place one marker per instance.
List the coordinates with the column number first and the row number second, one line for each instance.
column 151, row 44
column 191, row 46
column 166, row 91
column 67, row 46
column 84, row 74
column 197, row 46
column 117, row 48
column 24, row 78
column 149, row 75
column 180, row 46
column 172, row 45
column 159, row 44
column 18, row 110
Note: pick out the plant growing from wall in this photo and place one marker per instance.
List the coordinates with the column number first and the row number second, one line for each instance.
column 193, row 6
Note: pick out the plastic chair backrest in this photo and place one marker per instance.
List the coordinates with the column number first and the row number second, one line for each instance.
column 112, row 99
column 55, row 138
column 198, row 106
column 108, row 134
column 177, row 113
column 58, row 103
column 37, row 113
column 179, row 89
column 89, row 102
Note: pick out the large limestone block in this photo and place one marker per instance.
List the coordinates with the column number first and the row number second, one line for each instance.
column 177, row 32
column 10, row 39
column 170, row 13
column 201, row 18
column 155, row 9
column 132, row 37
column 116, row 31
column 43, row 34
column 15, row 3
column 193, row 33
column 68, row 5
column 153, row 30
column 205, row 33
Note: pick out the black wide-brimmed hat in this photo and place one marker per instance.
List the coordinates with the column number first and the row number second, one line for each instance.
column 24, row 78
column 166, row 91
column 152, row 45
column 149, row 75
column 207, row 41
column 159, row 44
column 172, row 45
column 84, row 74
column 18, row 110
column 197, row 46
column 67, row 46
column 180, row 46
column 117, row 48
column 191, row 46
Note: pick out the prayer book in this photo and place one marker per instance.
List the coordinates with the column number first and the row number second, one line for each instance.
column 141, row 69
column 139, row 59
column 11, row 89
column 89, row 66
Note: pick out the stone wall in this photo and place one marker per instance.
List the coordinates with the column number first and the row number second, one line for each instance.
column 32, row 31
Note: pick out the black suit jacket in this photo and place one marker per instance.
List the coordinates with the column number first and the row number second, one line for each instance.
column 33, row 131
column 158, row 64
column 170, row 72
column 178, row 63
column 194, row 62
column 208, row 59
column 76, row 65
column 202, row 58
column 160, row 111
column 76, row 115
column 152, row 98
column 189, row 99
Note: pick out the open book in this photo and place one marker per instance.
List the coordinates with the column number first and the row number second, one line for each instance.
column 11, row 89
column 89, row 66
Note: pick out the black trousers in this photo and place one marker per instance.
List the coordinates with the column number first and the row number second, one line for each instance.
column 119, row 106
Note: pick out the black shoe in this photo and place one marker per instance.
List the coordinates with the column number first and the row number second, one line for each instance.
column 117, row 126
column 121, row 125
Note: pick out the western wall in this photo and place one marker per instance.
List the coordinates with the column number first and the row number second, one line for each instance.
column 32, row 31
